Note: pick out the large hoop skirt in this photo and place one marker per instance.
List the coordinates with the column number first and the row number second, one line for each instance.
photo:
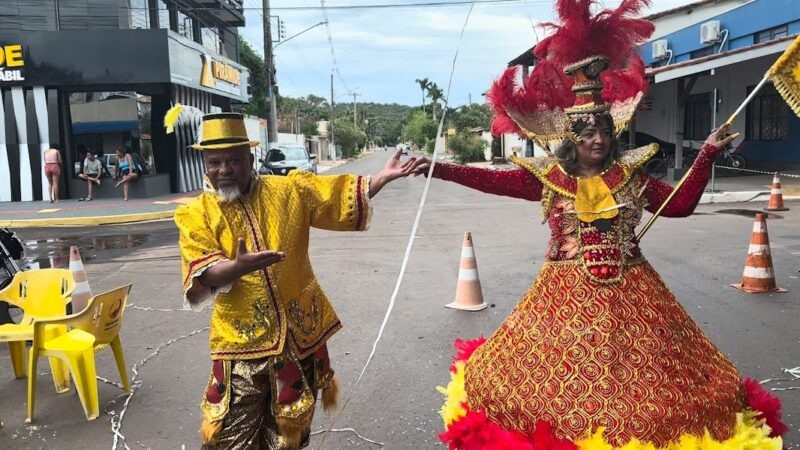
column 577, row 357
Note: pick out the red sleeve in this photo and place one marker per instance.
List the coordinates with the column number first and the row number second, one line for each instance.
column 516, row 183
column 686, row 200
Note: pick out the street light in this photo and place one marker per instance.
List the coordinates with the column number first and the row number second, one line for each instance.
column 324, row 22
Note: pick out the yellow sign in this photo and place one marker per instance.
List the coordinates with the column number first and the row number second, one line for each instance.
column 11, row 58
column 451, row 131
column 226, row 72
column 214, row 70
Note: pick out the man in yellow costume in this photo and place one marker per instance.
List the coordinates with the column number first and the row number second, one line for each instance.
column 244, row 243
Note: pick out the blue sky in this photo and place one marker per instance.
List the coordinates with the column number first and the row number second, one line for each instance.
column 380, row 52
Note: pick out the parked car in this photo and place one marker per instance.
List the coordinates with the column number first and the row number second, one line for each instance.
column 283, row 158
column 403, row 147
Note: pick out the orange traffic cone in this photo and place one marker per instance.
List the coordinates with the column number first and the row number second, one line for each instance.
column 469, row 296
column 758, row 276
column 776, row 195
column 82, row 292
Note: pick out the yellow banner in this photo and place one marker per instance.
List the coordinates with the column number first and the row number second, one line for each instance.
column 785, row 75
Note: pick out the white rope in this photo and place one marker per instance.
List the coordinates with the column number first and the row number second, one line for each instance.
column 116, row 419
column 783, row 175
column 343, row 430
column 794, row 372
column 421, row 206
column 149, row 308
column 414, row 228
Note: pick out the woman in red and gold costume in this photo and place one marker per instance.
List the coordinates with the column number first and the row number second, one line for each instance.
column 598, row 354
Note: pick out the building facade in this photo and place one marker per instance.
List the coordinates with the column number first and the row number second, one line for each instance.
column 101, row 74
column 704, row 59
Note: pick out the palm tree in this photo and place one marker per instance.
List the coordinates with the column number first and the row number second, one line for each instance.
column 424, row 84
column 435, row 93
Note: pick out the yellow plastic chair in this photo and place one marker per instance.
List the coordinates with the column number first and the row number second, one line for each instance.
column 40, row 294
column 93, row 329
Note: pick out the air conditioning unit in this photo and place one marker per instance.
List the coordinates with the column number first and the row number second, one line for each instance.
column 660, row 49
column 709, row 32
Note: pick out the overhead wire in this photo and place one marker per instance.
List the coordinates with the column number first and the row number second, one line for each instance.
column 428, row 4
column 330, row 44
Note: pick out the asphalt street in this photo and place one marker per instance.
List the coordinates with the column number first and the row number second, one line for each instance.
column 396, row 403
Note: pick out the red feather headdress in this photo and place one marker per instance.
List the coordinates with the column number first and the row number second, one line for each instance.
column 587, row 66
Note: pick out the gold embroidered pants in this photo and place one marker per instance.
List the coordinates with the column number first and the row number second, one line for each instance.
column 250, row 423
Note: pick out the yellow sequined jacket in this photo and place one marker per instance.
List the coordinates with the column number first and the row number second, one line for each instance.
column 256, row 315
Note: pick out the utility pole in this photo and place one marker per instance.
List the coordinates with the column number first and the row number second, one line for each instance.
column 355, row 94
column 333, row 140
column 272, row 121
column 470, row 98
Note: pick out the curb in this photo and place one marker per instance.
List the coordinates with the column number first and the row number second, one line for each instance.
column 739, row 196
column 731, row 197
column 87, row 221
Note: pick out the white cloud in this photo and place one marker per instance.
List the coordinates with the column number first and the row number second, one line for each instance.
column 381, row 52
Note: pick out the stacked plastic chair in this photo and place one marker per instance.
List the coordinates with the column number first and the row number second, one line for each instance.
column 90, row 331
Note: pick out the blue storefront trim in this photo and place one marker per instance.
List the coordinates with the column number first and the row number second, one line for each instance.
column 105, row 127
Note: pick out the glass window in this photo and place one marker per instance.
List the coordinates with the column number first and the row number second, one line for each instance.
column 185, row 25
column 287, row 154
column 772, row 33
column 163, row 14
column 140, row 15
column 779, row 32
column 697, row 123
column 211, row 39
column 707, row 51
column 767, row 116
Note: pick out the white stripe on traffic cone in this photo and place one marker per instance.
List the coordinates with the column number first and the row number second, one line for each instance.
column 758, row 275
column 82, row 292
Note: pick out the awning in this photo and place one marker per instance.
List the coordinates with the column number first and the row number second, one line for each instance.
column 685, row 68
column 105, row 127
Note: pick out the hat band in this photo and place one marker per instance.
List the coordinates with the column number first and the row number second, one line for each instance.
column 230, row 140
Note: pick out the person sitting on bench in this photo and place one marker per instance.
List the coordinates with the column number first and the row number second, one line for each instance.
column 92, row 168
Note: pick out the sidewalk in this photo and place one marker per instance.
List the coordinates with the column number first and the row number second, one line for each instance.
column 72, row 213
column 68, row 213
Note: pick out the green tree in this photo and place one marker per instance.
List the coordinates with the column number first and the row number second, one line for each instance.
column 424, row 84
column 309, row 129
column 349, row 137
column 467, row 147
column 472, row 116
column 419, row 128
column 258, row 80
column 436, row 94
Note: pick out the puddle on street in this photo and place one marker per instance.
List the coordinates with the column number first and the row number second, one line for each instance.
column 47, row 253
column 749, row 213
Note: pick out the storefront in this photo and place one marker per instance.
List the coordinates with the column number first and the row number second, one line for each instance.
column 103, row 90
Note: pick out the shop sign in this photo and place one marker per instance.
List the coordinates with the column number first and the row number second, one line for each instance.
column 12, row 63
column 220, row 75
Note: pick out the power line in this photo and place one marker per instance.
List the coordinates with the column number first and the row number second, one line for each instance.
column 430, row 4
column 330, row 44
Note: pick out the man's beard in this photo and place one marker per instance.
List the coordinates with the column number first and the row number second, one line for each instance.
column 228, row 194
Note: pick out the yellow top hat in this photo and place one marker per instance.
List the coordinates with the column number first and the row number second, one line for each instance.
column 222, row 131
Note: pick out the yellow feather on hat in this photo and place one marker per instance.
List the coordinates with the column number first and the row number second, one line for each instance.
column 171, row 117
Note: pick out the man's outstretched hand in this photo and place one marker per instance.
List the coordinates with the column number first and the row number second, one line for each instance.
column 247, row 261
column 226, row 272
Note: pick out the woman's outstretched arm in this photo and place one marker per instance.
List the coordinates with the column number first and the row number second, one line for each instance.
column 687, row 198
column 516, row 183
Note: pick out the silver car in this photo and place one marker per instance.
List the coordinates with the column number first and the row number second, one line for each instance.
column 283, row 158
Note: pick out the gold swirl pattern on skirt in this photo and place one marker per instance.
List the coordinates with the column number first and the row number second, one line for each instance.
column 625, row 356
